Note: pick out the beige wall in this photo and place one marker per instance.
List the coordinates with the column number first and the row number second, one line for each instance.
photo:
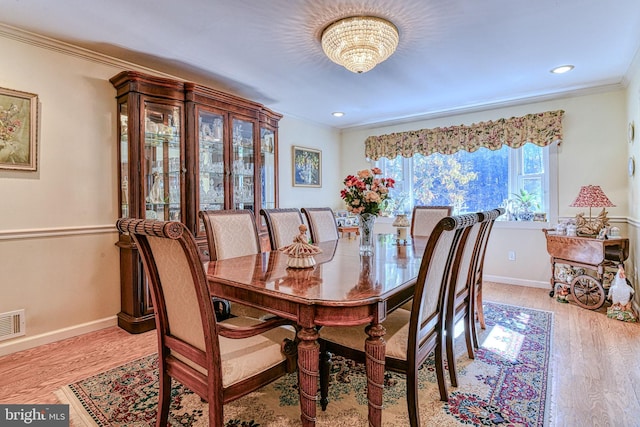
column 593, row 151
column 294, row 132
column 633, row 115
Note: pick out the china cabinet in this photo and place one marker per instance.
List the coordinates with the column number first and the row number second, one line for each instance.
column 182, row 148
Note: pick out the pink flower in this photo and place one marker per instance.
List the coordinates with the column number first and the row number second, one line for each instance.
column 365, row 173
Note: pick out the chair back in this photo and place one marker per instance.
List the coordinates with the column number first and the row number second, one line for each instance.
column 322, row 224
column 463, row 272
column 490, row 218
column 230, row 233
column 283, row 225
column 184, row 314
column 427, row 314
column 425, row 218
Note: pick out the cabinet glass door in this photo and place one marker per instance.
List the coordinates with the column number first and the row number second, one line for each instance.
column 242, row 165
column 267, row 169
column 210, row 162
column 124, row 161
column 162, row 162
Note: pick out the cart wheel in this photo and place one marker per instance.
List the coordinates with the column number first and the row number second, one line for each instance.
column 587, row 292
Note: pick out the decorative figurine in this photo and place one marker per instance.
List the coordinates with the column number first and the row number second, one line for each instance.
column 591, row 227
column 562, row 294
column 301, row 252
column 620, row 294
column 155, row 195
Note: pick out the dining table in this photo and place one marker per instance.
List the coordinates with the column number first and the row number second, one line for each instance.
column 343, row 288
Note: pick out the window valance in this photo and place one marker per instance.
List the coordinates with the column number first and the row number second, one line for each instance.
column 541, row 129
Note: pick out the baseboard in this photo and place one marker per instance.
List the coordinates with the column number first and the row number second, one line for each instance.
column 519, row 282
column 25, row 343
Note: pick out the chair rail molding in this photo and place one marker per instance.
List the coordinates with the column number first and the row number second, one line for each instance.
column 39, row 233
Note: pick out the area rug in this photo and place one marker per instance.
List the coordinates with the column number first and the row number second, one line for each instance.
column 507, row 384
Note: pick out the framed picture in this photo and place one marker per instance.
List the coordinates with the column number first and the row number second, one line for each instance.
column 307, row 167
column 18, row 130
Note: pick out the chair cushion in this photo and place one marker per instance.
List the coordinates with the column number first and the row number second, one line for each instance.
column 246, row 357
column 243, row 358
column 396, row 324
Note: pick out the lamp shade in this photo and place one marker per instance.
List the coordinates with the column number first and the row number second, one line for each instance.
column 591, row 196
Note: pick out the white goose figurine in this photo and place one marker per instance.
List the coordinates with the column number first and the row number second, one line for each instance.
column 620, row 292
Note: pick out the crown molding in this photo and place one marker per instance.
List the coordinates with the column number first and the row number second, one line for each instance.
column 43, row 42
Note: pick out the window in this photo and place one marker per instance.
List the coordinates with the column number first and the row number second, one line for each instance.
column 477, row 181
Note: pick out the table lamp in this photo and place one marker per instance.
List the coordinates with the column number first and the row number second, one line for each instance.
column 402, row 225
column 591, row 196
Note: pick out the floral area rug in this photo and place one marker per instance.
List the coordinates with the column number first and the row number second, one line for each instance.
column 507, row 384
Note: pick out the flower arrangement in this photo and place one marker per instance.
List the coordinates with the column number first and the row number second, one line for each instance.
column 365, row 192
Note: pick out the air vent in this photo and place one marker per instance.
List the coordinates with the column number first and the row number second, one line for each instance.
column 11, row 324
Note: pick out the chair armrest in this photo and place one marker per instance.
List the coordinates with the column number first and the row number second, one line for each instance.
column 238, row 332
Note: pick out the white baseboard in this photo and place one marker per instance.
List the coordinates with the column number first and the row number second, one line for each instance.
column 24, row 343
column 519, row 282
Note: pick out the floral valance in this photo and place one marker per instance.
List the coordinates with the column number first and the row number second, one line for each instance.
column 541, row 129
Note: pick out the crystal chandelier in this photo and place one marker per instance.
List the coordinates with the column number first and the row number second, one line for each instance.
column 359, row 43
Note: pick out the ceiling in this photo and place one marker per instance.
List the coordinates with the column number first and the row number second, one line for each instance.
column 454, row 55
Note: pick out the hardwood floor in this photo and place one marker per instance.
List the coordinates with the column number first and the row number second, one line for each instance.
column 596, row 361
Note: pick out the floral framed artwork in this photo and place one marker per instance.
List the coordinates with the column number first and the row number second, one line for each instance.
column 18, row 130
column 307, row 167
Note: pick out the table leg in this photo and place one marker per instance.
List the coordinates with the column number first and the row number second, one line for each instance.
column 374, row 348
column 308, row 373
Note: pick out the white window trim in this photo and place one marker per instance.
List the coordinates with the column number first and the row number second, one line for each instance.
column 550, row 183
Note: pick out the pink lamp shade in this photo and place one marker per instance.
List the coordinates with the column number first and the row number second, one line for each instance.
column 591, row 196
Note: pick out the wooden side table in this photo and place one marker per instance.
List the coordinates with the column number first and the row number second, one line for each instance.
column 349, row 229
column 585, row 252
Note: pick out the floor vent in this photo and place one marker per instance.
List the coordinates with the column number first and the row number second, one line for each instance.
column 11, row 324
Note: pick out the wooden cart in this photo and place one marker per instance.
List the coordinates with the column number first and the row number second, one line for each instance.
column 586, row 252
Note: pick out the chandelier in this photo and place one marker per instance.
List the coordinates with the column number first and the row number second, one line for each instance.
column 359, row 43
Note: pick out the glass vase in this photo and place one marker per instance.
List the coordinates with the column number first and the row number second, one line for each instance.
column 366, row 222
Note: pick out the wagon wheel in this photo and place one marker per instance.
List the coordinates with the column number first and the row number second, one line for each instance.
column 587, row 292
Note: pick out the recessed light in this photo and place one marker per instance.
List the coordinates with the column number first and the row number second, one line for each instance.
column 562, row 69
column 337, row 114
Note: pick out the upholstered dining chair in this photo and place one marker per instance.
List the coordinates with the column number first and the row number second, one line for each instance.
column 219, row 361
column 424, row 218
column 322, row 224
column 282, row 224
column 478, row 277
column 230, row 234
column 410, row 335
column 460, row 297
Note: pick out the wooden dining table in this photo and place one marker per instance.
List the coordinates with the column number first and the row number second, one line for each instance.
column 344, row 288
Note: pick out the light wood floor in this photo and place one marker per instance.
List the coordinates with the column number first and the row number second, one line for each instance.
column 596, row 361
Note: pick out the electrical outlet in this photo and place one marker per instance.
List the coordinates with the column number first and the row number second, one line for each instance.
column 512, row 255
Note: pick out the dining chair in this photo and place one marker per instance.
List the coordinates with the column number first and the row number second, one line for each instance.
column 410, row 335
column 477, row 296
column 219, row 361
column 424, row 218
column 322, row 224
column 230, row 234
column 282, row 225
column 460, row 296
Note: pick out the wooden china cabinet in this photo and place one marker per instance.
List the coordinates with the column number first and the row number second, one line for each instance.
column 183, row 148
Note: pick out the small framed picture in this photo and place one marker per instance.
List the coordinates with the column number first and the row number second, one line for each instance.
column 540, row 216
column 18, row 130
column 307, row 167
